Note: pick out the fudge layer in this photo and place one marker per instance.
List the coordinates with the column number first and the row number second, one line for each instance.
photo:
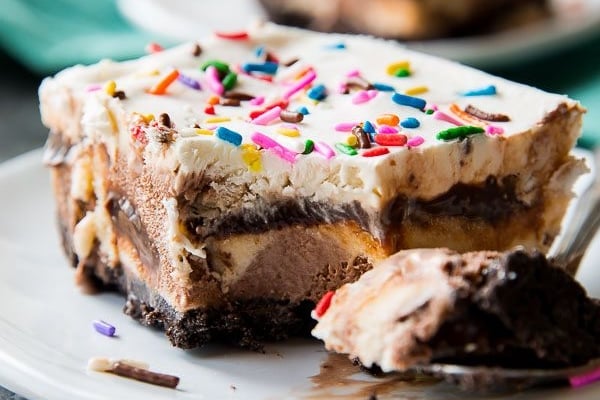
column 422, row 306
column 257, row 170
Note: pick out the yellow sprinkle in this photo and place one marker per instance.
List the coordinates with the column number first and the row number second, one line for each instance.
column 215, row 120
column 393, row 67
column 110, row 87
column 416, row 90
column 251, row 157
column 112, row 120
column 147, row 118
column 288, row 132
column 351, row 140
column 201, row 131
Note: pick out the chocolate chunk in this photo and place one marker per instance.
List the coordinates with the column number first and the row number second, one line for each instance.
column 238, row 96
column 229, row 102
column 197, row 50
column 291, row 116
column 119, row 94
column 363, row 139
column 165, row 120
column 476, row 112
column 359, row 82
column 145, row 375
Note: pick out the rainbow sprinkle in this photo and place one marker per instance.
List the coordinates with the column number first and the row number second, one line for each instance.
column 318, row 92
column 409, row 101
column 161, row 86
column 266, row 68
column 228, row 135
column 213, row 81
column 440, row 116
column 346, row 149
column 484, row 91
column 324, row 149
column 459, row 132
column 410, row 123
column 268, row 116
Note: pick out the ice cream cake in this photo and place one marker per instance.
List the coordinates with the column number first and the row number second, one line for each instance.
column 224, row 185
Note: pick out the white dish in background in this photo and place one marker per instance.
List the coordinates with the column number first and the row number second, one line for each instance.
column 46, row 336
column 573, row 21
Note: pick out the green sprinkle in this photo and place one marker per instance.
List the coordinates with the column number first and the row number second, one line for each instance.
column 429, row 111
column 402, row 73
column 309, row 146
column 219, row 65
column 459, row 132
column 344, row 148
column 230, row 80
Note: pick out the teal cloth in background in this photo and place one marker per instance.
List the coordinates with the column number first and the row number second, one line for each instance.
column 47, row 35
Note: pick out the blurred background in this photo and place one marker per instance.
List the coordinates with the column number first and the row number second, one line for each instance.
column 551, row 44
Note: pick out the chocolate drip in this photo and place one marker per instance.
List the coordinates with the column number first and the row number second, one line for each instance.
column 127, row 222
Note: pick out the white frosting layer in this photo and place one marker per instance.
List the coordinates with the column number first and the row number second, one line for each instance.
column 373, row 181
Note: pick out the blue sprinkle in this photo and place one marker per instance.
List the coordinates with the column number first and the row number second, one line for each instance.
column 368, row 127
column 383, row 87
column 318, row 92
column 409, row 101
column 189, row 82
column 228, row 135
column 484, row 91
column 259, row 51
column 336, row 46
column 303, row 110
column 410, row 122
column 267, row 67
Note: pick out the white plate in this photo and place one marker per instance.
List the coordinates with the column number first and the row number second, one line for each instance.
column 46, row 335
column 572, row 22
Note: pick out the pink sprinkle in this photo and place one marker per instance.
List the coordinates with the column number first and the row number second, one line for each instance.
column 372, row 93
column 353, row 73
column 257, row 101
column 361, row 97
column 585, row 379
column 213, row 81
column 268, row 116
column 345, row 126
column 266, row 142
column 494, row 130
column 263, row 140
column 93, row 88
column 324, row 149
column 440, row 116
column 284, row 153
column 301, row 84
column 387, row 129
column 342, row 88
column 415, row 141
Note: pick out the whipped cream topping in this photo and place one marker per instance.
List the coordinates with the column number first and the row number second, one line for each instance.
column 443, row 87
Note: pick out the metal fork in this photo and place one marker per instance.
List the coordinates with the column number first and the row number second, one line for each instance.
column 567, row 253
